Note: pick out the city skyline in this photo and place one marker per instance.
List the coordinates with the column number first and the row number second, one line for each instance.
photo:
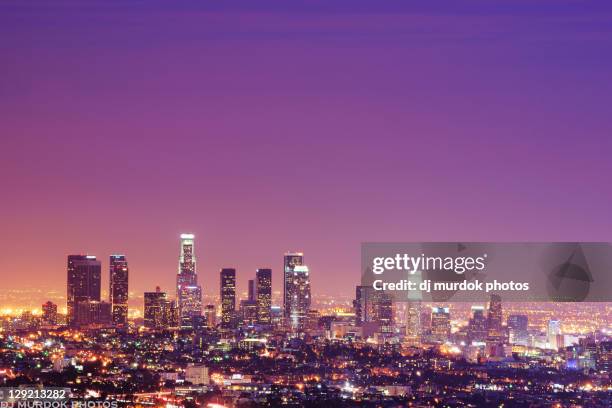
column 188, row 297
column 222, row 351
column 86, row 306
column 169, row 280
column 368, row 305
column 312, row 203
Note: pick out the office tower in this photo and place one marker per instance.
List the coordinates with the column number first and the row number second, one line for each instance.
column 92, row 312
column 192, row 304
column 248, row 307
column 360, row 304
column 210, row 316
column 553, row 332
column 440, row 324
column 495, row 333
column 228, row 298
column 382, row 311
column 49, row 316
column 263, row 295
column 83, row 283
column 517, row 330
column 251, row 293
column 188, row 292
column 413, row 323
column 248, row 312
column 173, row 315
column 376, row 306
column 119, row 289
column 296, row 290
column 425, row 320
column 291, row 260
column 157, row 310
column 477, row 326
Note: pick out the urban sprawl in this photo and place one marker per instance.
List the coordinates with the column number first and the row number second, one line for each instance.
column 375, row 352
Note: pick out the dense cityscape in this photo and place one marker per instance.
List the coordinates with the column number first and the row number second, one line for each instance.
column 267, row 349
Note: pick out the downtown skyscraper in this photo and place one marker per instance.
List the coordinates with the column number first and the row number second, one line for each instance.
column 440, row 324
column 49, row 315
column 263, row 293
column 413, row 323
column 477, row 326
column 188, row 292
column 228, row 298
column 119, row 289
column 363, row 304
column 296, row 290
column 158, row 309
column 495, row 332
column 248, row 307
column 518, row 329
column 83, row 284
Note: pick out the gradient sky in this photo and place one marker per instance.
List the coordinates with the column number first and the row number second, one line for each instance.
column 266, row 126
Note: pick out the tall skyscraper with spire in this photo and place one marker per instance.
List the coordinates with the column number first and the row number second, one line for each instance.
column 119, row 289
column 296, row 298
column 188, row 292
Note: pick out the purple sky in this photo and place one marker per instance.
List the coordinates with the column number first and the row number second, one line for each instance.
column 296, row 125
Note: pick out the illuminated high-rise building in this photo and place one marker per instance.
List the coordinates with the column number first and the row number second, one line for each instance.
column 158, row 310
column 296, row 299
column 251, row 292
column 425, row 320
column 228, row 298
column 248, row 307
column 477, row 326
column 119, row 289
column 553, row 332
column 92, row 312
column 372, row 306
column 413, row 323
column 382, row 311
column 291, row 260
column 263, row 295
column 360, row 304
column 495, row 332
column 49, row 316
column 518, row 330
column 210, row 316
column 83, row 283
column 188, row 292
column 440, row 324
column 192, row 305
column 248, row 312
